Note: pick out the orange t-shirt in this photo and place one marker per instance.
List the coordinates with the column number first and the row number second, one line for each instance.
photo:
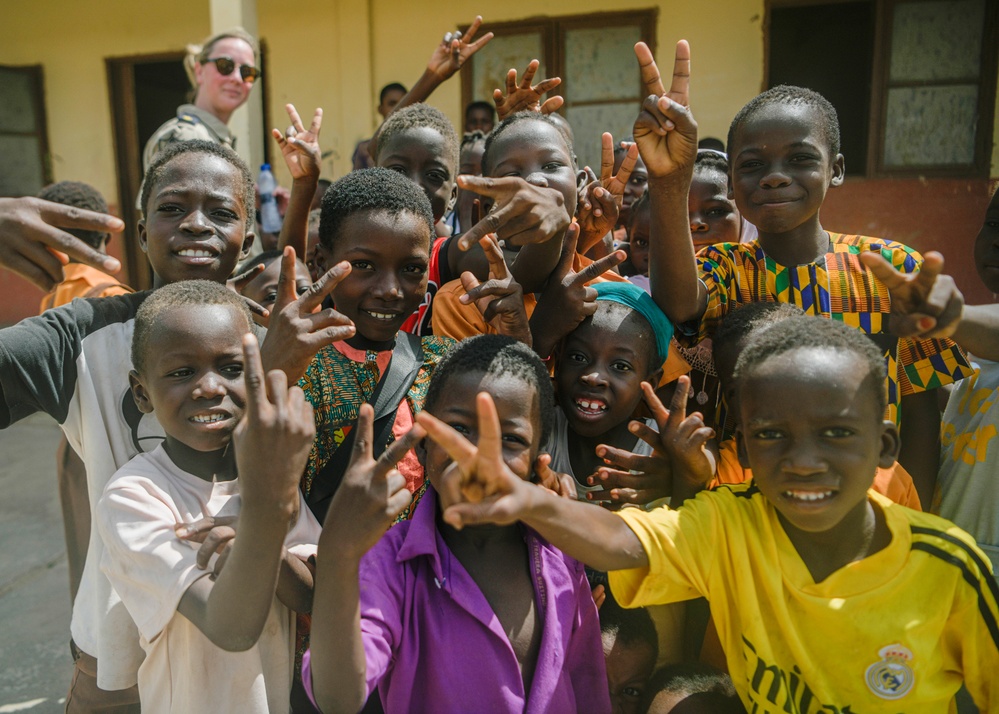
column 82, row 281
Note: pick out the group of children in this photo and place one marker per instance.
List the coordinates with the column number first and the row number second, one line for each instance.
column 386, row 498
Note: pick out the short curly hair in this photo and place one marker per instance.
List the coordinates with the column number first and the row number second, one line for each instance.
column 813, row 332
column 417, row 116
column 788, row 95
column 374, row 189
column 711, row 160
column 186, row 293
column 199, row 146
column 79, row 195
column 496, row 355
column 516, row 119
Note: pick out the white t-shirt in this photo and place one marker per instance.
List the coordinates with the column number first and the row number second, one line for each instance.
column 968, row 481
column 151, row 569
column 558, row 448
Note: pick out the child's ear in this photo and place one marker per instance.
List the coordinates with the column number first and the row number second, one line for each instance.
column 581, row 179
column 890, row 444
column 740, row 446
column 139, row 393
column 248, row 239
column 454, row 197
column 140, row 229
column 838, row 170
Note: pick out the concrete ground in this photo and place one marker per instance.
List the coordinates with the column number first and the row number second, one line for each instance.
column 35, row 664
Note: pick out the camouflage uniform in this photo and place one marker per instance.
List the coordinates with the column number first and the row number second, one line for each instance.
column 190, row 123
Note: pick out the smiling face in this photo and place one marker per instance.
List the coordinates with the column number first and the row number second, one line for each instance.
column 782, row 168
column 987, row 246
column 421, row 155
column 263, row 288
column 517, row 406
column 537, row 152
column 713, row 215
column 195, row 224
column 223, row 94
column 192, row 377
column 812, row 432
column 389, row 257
column 600, row 369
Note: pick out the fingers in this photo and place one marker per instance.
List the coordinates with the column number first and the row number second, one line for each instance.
column 650, row 72
column 552, row 105
column 598, row 267
column 314, row 296
column 678, row 404
column 883, row 270
column 457, row 446
column 399, row 448
column 511, row 82
column 679, row 90
column 286, row 288
column 253, row 375
column 473, row 28
column 494, row 255
column 317, row 121
column 364, row 436
column 296, row 121
column 480, row 43
column 197, row 530
column 56, row 214
column 606, row 157
column 532, row 68
column 490, row 444
column 646, row 433
column 565, row 259
column 627, row 166
column 255, row 307
column 546, row 85
column 214, row 541
column 277, row 392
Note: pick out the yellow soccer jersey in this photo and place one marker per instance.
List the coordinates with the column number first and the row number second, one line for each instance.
column 895, row 632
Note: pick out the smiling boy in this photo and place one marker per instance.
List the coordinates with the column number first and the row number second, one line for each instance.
column 826, row 596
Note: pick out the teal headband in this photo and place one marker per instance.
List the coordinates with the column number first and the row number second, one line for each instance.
column 641, row 302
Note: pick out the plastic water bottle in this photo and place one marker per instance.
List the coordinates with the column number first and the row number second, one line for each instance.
column 270, row 219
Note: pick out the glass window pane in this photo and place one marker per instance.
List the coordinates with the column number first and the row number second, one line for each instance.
column 589, row 122
column 17, row 108
column 494, row 60
column 937, row 40
column 21, row 171
column 931, row 126
column 600, row 63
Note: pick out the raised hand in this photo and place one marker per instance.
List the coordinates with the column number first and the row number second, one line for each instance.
column 525, row 96
column 500, row 299
column 296, row 331
column 926, row 304
column 665, row 131
column 558, row 483
column 32, row 245
column 600, row 200
column 566, row 300
column 521, row 213
column 273, row 439
column 630, row 478
column 300, row 146
column 684, row 438
column 372, row 492
column 237, row 282
column 455, row 49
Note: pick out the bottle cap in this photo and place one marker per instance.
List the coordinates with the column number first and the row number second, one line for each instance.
column 265, row 167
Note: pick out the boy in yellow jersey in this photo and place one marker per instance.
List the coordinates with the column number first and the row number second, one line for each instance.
column 827, row 596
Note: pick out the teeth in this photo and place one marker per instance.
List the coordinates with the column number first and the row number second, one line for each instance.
column 191, row 253
column 381, row 315
column 591, row 405
column 808, row 495
column 207, row 418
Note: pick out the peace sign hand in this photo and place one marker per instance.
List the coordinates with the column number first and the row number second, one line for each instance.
column 455, row 49
column 684, row 438
column 300, row 146
column 665, row 130
column 500, row 299
column 601, row 199
column 525, row 96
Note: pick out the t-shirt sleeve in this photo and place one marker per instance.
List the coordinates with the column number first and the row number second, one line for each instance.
column 453, row 319
column 927, row 364
column 148, row 566
column 679, row 545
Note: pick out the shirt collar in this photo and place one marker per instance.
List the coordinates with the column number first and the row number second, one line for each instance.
column 211, row 121
column 421, row 538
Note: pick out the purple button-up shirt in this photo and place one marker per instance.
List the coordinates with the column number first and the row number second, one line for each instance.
column 433, row 644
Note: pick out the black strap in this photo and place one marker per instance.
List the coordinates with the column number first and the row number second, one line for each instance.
column 404, row 365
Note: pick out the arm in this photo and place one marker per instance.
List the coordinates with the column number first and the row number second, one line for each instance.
column 666, row 135
column 977, row 331
column 295, row 583
column 920, row 436
column 302, row 155
column 491, row 493
column 272, row 443
column 371, row 495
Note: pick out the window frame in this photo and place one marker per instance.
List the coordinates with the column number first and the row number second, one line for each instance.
column 37, row 74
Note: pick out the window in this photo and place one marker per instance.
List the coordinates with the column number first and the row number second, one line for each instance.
column 913, row 81
column 24, row 152
column 594, row 56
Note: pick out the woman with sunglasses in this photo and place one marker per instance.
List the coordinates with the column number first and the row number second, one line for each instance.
column 222, row 72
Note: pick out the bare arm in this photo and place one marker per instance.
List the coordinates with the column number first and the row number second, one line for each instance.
column 978, row 331
column 295, row 583
column 920, row 436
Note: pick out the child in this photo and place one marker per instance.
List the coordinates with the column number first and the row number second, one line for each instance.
column 630, row 653
column 784, row 152
column 690, row 689
column 380, row 224
column 469, row 164
column 220, row 643
column 714, row 217
column 817, row 582
column 79, row 281
column 443, row 620
column 262, row 288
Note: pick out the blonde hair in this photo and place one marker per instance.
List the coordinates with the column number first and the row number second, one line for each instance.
column 199, row 53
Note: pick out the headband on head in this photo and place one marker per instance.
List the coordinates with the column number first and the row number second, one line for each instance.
column 632, row 296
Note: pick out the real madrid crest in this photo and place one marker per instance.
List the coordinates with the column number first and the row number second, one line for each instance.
column 892, row 677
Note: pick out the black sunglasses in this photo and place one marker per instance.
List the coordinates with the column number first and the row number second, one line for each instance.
column 225, row 66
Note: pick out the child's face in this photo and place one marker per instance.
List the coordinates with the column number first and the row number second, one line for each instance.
column 782, row 167
column 479, row 119
column 638, row 239
column 195, row 224
column 812, row 433
column 193, row 375
column 629, row 667
column 519, row 416
column 636, row 186
column 600, row 370
column 392, row 97
column 389, row 257
column 420, row 154
column 263, row 288
column 471, row 165
column 713, row 215
column 987, row 246
column 536, row 152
